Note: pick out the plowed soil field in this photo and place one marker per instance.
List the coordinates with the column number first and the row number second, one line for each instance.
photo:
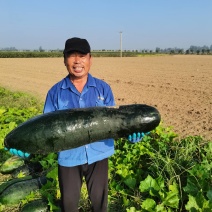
column 180, row 87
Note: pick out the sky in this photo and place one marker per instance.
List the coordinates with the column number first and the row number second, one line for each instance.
column 145, row 24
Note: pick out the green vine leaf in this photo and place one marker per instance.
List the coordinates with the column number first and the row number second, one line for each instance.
column 150, row 185
column 149, row 205
column 130, row 182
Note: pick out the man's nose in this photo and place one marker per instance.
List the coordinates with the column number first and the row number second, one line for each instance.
column 76, row 58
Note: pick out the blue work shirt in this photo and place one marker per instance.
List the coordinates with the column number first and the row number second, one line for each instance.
column 64, row 95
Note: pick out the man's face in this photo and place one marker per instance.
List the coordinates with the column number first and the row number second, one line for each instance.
column 78, row 64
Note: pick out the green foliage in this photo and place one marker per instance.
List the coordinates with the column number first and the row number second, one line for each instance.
column 156, row 189
column 49, row 191
column 29, row 54
column 15, row 108
column 19, row 100
column 113, row 54
column 30, row 197
column 159, row 173
column 42, row 54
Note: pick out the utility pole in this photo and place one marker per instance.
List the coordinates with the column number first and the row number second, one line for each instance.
column 120, row 44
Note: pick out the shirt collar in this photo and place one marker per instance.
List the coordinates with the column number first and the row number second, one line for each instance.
column 68, row 84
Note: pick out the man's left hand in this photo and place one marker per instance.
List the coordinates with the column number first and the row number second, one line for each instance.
column 136, row 137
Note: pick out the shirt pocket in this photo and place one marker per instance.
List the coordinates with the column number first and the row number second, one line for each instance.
column 100, row 102
column 63, row 104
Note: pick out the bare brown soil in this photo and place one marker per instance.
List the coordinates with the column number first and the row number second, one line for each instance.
column 180, row 87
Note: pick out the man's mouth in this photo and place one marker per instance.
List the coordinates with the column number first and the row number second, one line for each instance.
column 78, row 69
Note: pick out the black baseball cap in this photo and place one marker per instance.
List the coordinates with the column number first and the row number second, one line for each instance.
column 78, row 45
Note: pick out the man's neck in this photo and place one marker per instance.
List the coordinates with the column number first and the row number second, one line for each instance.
column 79, row 83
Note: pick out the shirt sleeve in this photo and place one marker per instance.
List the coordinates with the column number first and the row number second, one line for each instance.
column 49, row 104
column 109, row 98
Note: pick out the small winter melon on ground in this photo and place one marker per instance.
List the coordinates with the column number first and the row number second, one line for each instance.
column 36, row 206
column 11, row 164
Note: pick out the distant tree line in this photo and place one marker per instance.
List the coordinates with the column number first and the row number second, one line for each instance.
column 36, row 54
column 40, row 52
column 191, row 50
column 40, row 49
column 11, row 49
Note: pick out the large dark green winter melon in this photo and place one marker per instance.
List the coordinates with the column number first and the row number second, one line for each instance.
column 66, row 129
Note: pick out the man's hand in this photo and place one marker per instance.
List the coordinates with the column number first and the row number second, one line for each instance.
column 18, row 153
column 136, row 137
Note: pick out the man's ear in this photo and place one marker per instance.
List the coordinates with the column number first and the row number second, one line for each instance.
column 64, row 61
column 91, row 60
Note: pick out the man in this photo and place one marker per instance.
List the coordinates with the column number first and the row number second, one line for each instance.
column 79, row 89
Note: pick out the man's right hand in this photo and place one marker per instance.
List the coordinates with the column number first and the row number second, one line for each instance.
column 18, row 153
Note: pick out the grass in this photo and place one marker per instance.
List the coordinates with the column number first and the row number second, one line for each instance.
column 9, row 99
